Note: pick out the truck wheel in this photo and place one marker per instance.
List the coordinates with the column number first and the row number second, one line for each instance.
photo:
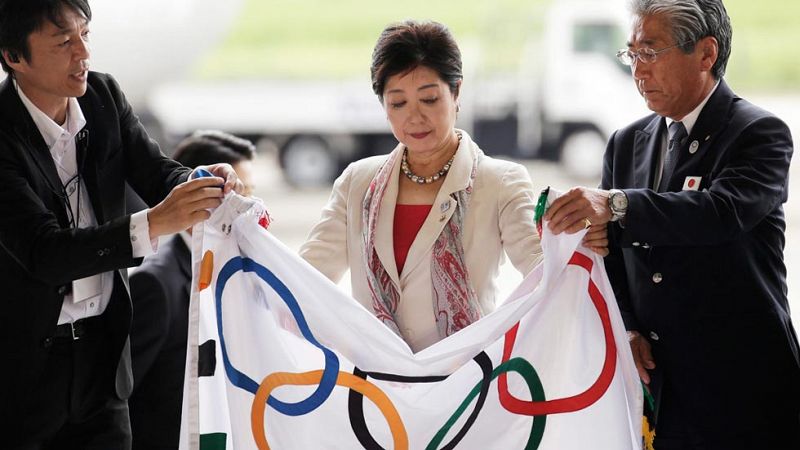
column 581, row 154
column 308, row 161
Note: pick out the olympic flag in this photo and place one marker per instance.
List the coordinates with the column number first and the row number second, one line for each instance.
column 280, row 358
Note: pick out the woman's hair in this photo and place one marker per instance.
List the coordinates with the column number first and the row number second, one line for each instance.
column 404, row 46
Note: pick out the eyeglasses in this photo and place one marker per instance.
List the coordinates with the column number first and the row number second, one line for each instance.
column 645, row 55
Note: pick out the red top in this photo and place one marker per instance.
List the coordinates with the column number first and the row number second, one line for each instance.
column 408, row 219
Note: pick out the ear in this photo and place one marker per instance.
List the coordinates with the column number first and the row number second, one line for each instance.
column 12, row 59
column 457, row 90
column 708, row 49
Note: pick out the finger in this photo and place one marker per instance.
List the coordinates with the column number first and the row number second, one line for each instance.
column 230, row 183
column 198, row 216
column 647, row 356
column 239, row 187
column 602, row 242
column 200, row 183
column 205, row 203
column 570, row 217
column 564, row 200
column 643, row 374
column 575, row 226
column 199, row 194
column 554, row 207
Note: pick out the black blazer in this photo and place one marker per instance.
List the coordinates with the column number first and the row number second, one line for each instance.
column 40, row 254
column 701, row 273
column 160, row 292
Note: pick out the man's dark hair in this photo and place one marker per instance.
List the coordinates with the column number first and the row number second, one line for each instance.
column 211, row 147
column 404, row 46
column 20, row 18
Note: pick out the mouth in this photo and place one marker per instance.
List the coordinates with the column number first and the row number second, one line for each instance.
column 419, row 135
column 80, row 76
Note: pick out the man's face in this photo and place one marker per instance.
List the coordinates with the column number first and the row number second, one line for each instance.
column 675, row 83
column 59, row 62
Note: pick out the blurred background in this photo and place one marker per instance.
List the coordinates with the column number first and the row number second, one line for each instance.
column 541, row 86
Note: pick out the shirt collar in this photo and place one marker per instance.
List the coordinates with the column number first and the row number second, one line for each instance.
column 49, row 129
column 691, row 118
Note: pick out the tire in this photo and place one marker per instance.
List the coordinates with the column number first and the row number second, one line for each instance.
column 581, row 154
column 308, row 161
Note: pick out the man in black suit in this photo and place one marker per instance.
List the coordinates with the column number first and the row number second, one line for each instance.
column 694, row 194
column 68, row 143
column 160, row 290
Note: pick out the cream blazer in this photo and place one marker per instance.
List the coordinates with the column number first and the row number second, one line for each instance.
column 499, row 220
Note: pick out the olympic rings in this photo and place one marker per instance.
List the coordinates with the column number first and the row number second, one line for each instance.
column 590, row 395
column 328, row 380
column 378, row 397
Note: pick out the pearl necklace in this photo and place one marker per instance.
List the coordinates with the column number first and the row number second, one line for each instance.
column 426, row 180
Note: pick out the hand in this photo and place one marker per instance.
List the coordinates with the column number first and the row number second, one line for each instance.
column 642, row 355
column 186, row 205
column 226, row 172
column 570, row 211
column 596, row 239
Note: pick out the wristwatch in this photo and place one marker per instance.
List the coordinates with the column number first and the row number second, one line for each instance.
column 617, row 203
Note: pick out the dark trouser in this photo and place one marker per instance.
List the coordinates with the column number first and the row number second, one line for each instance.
column 674, row 431
column 74, row 405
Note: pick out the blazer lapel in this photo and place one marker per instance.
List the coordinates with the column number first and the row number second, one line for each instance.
column 703, row 133
column 87, row 154
column 21, row 123
column 384, row 230
column 646, row 147
column 443, row 207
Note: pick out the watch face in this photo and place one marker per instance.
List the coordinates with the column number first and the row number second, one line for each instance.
column 619, row 201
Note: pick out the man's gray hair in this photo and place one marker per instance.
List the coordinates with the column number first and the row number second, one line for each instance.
column 692, row 20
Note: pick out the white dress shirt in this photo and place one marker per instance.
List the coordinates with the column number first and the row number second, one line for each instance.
column 94, row 292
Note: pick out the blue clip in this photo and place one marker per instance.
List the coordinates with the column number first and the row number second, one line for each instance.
column 201, row 173
column 198, row 173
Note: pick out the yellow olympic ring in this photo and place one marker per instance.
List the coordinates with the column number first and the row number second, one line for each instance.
column 345, row 379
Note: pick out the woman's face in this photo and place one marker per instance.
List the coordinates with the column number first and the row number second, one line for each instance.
column 421, row 110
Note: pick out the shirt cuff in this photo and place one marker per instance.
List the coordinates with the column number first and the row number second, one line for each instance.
column 141, row 244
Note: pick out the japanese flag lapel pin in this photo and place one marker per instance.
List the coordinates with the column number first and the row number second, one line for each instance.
column 692, row 183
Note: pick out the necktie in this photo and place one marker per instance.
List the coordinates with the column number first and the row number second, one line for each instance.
column 677, row 138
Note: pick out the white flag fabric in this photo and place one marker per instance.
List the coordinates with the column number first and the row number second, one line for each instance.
column 280, row 358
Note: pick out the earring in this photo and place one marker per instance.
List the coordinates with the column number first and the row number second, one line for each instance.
column 458, row 107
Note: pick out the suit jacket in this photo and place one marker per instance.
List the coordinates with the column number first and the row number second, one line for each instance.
column 40, row 254
column 700, row 273
column 499, row 220
column 160, row 290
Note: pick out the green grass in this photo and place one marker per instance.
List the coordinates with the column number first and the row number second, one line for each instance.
column 315, row 39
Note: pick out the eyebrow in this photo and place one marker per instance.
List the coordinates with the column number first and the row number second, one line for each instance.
column 427, row 86
column 62, row 31
column 645, row 42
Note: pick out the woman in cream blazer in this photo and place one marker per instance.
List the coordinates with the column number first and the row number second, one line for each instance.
column 499, row 220
column 481, row 209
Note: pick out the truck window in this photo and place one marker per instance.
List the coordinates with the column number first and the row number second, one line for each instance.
column 601, row 38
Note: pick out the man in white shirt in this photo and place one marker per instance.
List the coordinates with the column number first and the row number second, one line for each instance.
column 68, row 143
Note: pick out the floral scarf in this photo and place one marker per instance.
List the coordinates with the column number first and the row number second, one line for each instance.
column 455, row 304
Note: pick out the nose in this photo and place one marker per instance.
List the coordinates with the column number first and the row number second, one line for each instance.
column 81, row 50
column 415, row 114
column 640, row 70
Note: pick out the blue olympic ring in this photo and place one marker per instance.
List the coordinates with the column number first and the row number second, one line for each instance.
column 242, row 381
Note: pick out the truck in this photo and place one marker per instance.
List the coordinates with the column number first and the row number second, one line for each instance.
column 567, row 97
